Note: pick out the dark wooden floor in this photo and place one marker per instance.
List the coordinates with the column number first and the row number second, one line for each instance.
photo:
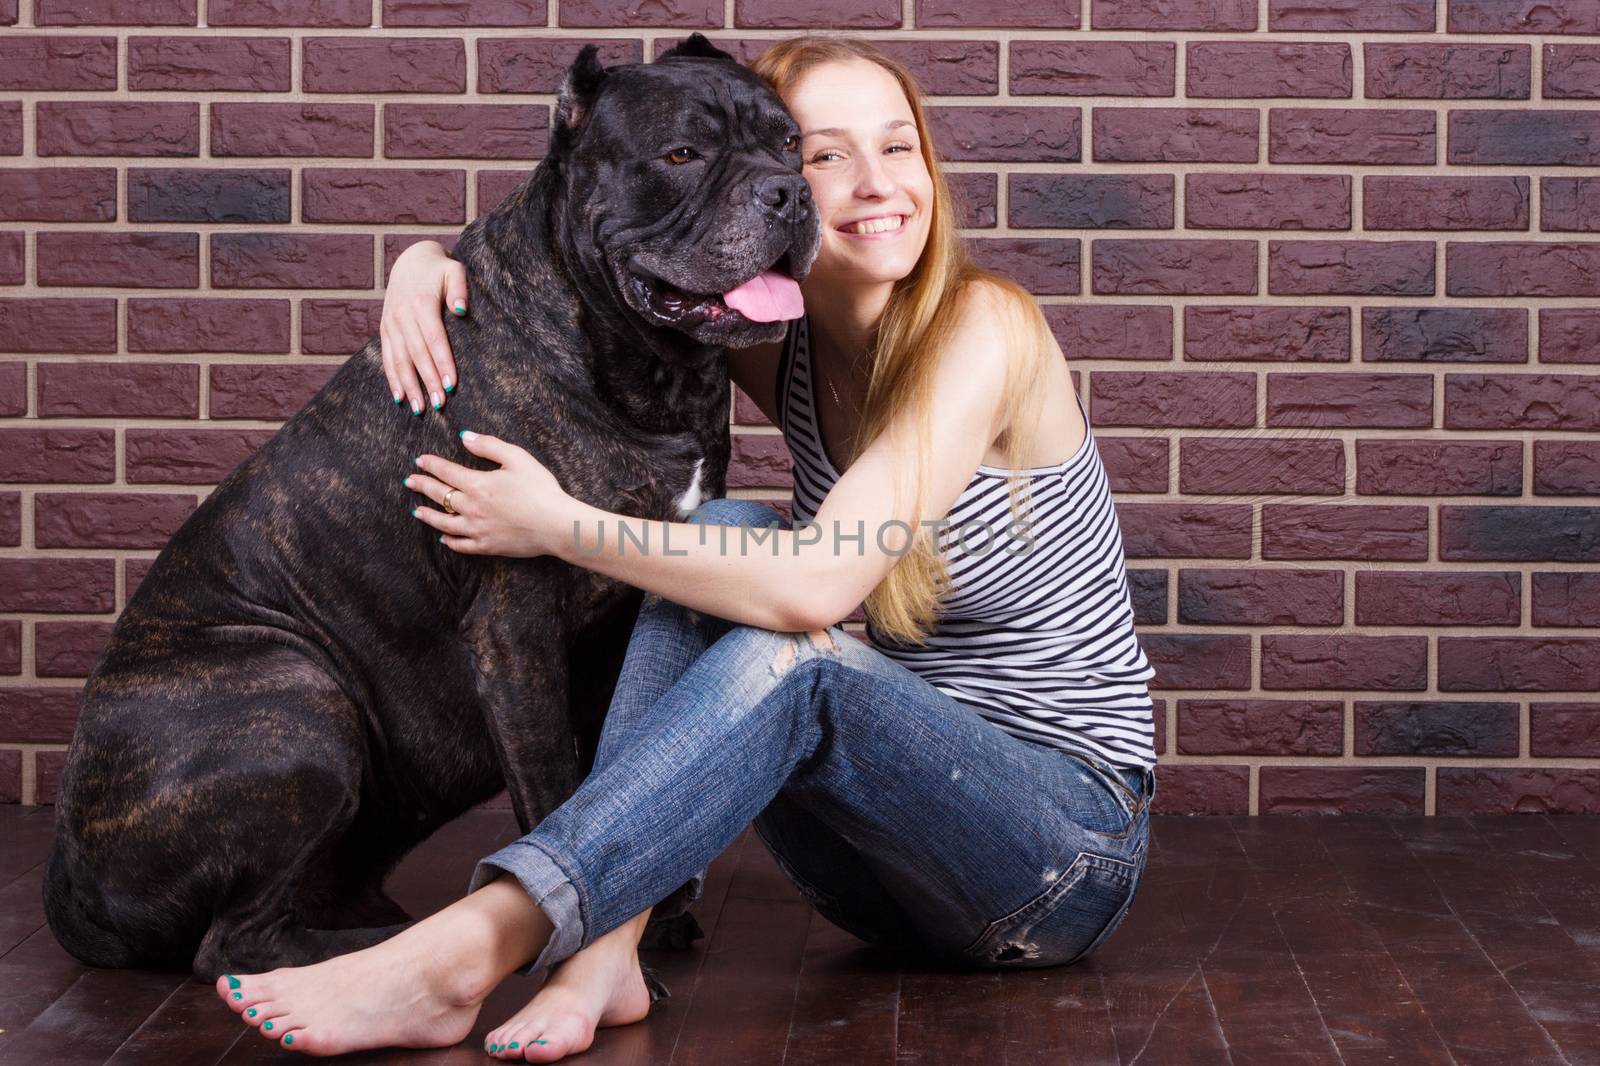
column 1356, row 940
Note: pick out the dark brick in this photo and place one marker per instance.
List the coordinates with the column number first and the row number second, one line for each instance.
column 1266, row 334
column 1184, row 530
column 395, row 243
column 273, row 391
column 1176, row 135
column 1134, row 464
column 1198, row 660
column 1349, row 400
column 949, row 68
column 10, row 648
column 1428, row 467
column 1566, row 468
column 1196, row 398
column 1438, row 728
column 1343, row 662
column 337, row 327
column 384, row 65
column 211, row 63
column 1447, row 203
column 57, row 64
column 1523, row 16
column 538, row 64
column 1366, row 533
column 495, row 185
column 1569, row 335
column 321, row 14
column 184, row 195
column 12, row 259
column 384, row 197
column 1357, row 267
column 1444, row 334
column 1563, row 730
column 58, row 455
column 1522, row 138
column 817, row 14
column 1452, row 71
column 291, row 261
column 38, row 715
column 95, row 128
column 108, row 520
column 1211, row 16
column 1174, row 267
column 759, row 461
column 1260, row 597
column 1094, row 68
column 973, row 194
column 1340, row 135
column 1518, row 664
column 983, row 14
column 1352, row 16
column 245, row 129
column 477, row 131
column 118, row 390
column 1257, row 466
column 1571, row 71
column 68, row 649
column 1342, row 790
column 1464, row 790
column 1523, row 534
column 50, row 325
column 1148, row 590
column 1111, row 331
column 205, row 325
column 115, row 13
column 1242, row 69
column 1043, row 265
column 1566, row 598
column 78, row 586
column 1522, row 401
column 685, row 14
column 14, row 386
column 1091, row 201
column 10, row 519
column 1569, row 204
column 464, row 13
column 189, row 456
column 1266, row 201
column 120, row 260
column 1202, row 789
column 1438, row 598
column 1260, row 727
column 1007, row 134
column 58, row 194
column 10, row 127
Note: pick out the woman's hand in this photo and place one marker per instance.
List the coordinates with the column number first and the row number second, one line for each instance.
column 518, row 510
column 412, row 329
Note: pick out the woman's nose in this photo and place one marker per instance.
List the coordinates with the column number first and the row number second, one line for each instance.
column 873, row 180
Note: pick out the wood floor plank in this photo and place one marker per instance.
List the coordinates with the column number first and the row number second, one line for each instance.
column 847, row 1000
column 21, row 909
column 192, row 1028
column 91, row 1018
column 950, row 1016
column 25, row 834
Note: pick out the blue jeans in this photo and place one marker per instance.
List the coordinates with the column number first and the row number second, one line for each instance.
column 902, row 815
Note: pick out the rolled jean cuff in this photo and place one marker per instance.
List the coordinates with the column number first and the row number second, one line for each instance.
column 548, row 886
column 677, row 902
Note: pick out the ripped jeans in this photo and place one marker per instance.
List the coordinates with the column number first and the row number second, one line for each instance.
column 903, row 816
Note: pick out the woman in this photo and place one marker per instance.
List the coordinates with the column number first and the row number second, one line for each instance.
column 973, row 785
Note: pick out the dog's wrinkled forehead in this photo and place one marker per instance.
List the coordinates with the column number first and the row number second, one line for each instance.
column 688, row 96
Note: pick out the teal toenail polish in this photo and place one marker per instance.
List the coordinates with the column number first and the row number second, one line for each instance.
column 251, row 1013
column 233, row 982
column 266, row 1025
column 288, row 1038
column 238, row 995
column 541, row 1041
column 513, row 1045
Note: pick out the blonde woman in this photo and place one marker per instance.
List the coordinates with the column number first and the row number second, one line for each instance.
column 971, row 784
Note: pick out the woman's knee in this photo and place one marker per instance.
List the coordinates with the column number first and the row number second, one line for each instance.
column 728, row 511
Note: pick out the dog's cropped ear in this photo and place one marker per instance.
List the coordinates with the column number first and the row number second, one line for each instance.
column 696, row 46
column 578, row 93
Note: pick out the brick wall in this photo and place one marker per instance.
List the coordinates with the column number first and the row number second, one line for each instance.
column 1326, row 273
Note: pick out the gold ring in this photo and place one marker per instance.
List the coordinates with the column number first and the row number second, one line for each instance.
column 446, row 501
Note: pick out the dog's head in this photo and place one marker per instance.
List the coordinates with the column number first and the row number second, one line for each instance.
column 683, row 194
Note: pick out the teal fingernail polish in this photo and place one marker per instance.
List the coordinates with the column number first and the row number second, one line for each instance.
column 460, row 309
column 449, row 388
column 399, row 400
column 438, row 405
column 417, row 459
column 267, row 1026
column 461, row 433
column 233, row 982
column 251, row 1013
column 288, row 1038
column 414, row 511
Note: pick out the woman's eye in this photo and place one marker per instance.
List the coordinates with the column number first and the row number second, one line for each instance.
column 907, row 147
column 791, row 143
column 823, row 155
column 681, row 155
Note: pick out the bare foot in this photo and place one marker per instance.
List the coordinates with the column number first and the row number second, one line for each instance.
column 420, row 988
column 600, row 985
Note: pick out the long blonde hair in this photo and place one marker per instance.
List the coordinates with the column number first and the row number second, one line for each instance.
column 917, row 322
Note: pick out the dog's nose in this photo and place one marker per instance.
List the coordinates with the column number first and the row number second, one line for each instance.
column 785, row 195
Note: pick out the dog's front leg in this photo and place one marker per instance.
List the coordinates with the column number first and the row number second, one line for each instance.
column 518, row 638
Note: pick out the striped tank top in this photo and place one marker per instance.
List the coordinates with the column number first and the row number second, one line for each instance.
column 1039, row 642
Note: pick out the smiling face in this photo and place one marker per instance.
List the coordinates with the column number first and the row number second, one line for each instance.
column 864, row 163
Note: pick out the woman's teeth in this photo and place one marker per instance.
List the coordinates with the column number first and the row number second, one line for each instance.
column 876, row 225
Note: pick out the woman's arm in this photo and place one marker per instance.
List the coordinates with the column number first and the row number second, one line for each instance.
column 787, row 580
column 412, row 329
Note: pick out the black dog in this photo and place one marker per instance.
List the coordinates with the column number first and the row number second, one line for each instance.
column 308, row 683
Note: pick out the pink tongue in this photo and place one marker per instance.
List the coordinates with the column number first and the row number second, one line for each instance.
column 767, row 298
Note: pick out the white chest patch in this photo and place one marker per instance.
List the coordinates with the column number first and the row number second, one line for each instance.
column 694, row 495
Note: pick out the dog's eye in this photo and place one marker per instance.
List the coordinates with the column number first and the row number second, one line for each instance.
column 681, row 155
column 791, row 143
